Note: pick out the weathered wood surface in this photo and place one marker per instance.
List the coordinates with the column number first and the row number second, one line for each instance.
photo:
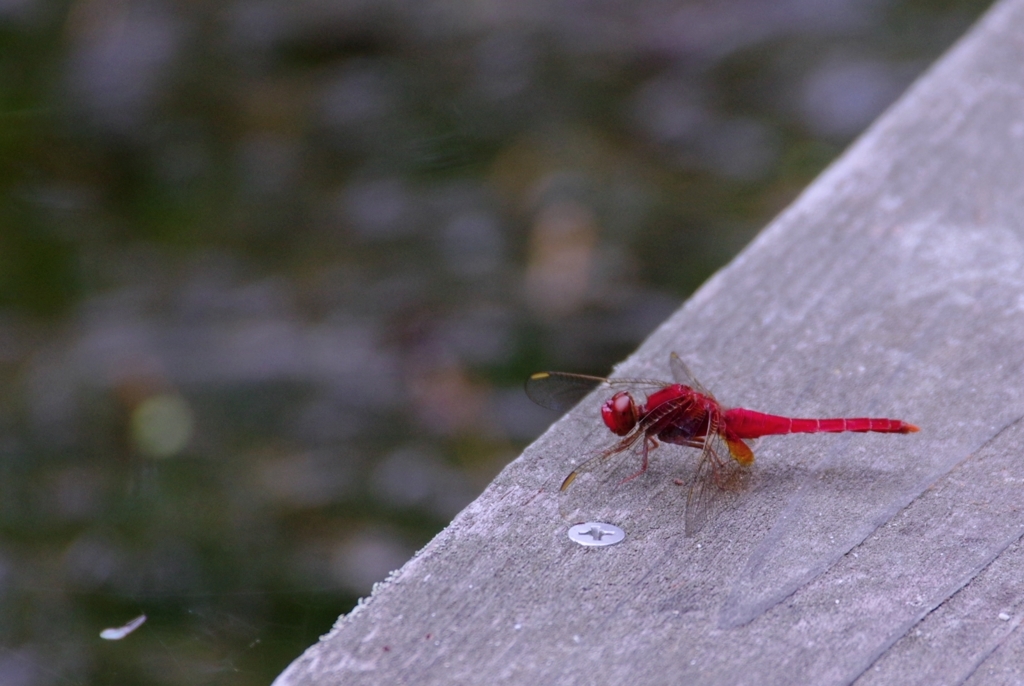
column 894, row 286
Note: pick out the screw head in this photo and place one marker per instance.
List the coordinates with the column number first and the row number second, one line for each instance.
column 596, row 533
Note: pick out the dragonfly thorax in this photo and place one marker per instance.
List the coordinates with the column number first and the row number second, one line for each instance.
column 620, row 413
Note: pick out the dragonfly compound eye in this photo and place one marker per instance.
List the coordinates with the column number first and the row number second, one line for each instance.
column 619, row 413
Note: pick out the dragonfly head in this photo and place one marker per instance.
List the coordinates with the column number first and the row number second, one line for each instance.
column 619, row 413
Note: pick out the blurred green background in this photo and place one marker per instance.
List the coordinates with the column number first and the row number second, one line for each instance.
column 272, row 273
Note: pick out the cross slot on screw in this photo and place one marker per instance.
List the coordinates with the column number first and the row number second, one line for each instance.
column 596, row 534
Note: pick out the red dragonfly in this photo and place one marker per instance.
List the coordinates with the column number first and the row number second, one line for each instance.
column 685, row 413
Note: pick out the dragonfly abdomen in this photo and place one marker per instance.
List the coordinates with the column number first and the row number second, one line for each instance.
column 750, row 424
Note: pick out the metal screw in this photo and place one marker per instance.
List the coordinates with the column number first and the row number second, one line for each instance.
column 596, row 533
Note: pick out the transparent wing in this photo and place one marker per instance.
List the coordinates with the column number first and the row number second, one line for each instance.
column 560, row 390
column 597, row 489
column 716, row 481
column 682, row 374
column 603, row 487
column 598, row 486
column 607, row 484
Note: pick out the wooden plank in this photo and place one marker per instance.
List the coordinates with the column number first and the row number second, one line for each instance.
column 894, row 286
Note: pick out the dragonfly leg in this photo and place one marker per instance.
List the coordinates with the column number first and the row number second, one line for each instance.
column 650, row 443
